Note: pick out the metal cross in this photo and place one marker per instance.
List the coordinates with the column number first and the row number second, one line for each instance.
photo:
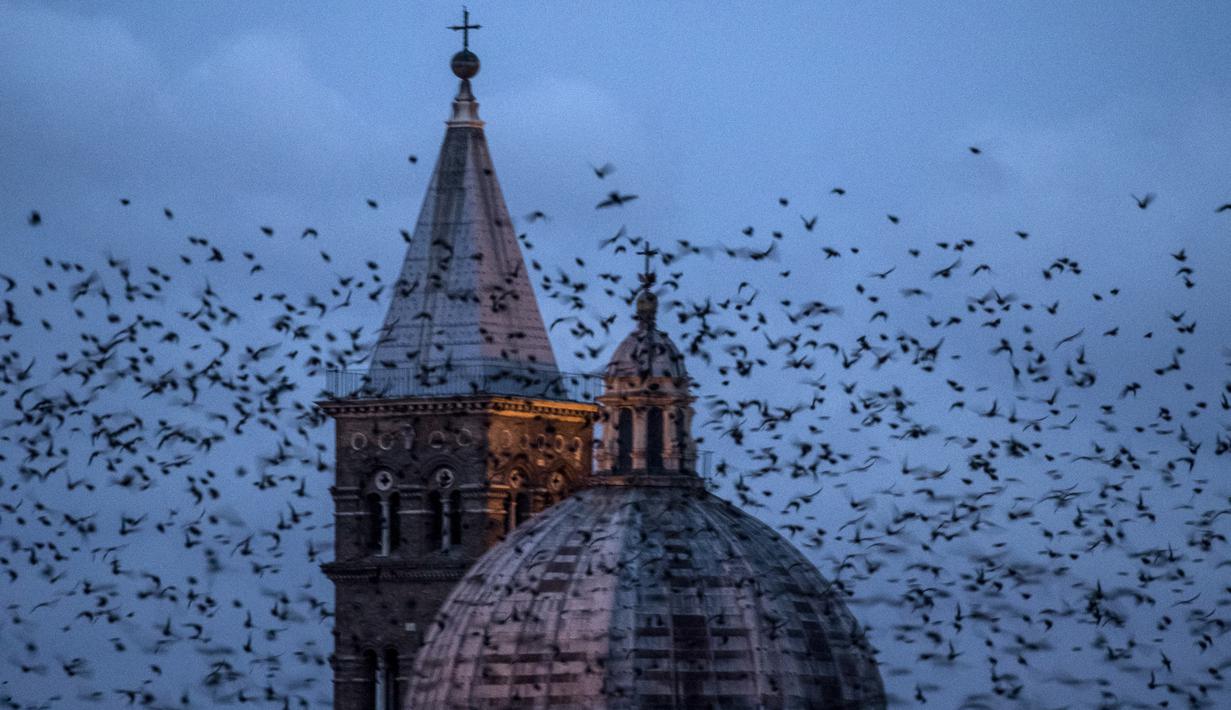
column 465, row 27
column 647, row 277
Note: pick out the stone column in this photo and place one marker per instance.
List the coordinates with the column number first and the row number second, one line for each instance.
column 386, row 526
column 639, row 437
column 381, row 679
column 604, row 452
column 671, row 452
column 446, row 519
column 689, row 454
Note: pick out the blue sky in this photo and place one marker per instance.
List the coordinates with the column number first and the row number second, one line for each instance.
column 239, row 114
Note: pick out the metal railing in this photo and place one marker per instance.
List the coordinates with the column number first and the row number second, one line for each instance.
column 455, row 381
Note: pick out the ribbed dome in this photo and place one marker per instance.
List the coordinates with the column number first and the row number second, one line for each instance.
column 646, row 352
column 649, row 595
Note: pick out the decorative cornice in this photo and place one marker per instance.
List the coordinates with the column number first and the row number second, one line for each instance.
column 367, row 571
column 678, row 480
column 362, row 408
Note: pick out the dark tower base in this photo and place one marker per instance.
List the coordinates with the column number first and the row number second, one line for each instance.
column 423, row 487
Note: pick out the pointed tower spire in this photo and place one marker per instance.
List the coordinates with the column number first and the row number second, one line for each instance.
column 463, row 306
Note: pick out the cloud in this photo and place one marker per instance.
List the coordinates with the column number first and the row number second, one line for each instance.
column 543, row 133
column 92, row 107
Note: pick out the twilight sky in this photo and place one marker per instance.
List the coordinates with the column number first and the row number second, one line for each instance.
column 238, row 115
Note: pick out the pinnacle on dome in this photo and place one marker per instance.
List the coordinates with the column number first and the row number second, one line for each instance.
column 647, row 352
column 646, row 399
column 463, row 305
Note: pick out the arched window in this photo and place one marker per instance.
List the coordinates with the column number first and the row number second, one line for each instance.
column 375, row 522
column 389, row 680
column 435, row 521
column 455, row 518
column 523, row 507
column 395, row 521
column 654, row 439
column 624, row 440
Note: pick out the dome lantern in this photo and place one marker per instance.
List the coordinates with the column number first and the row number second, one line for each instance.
column 647, row 400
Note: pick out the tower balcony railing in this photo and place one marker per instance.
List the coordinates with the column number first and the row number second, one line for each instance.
column 458, row 381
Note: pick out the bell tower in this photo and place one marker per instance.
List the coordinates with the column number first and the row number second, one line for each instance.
column 460, row 428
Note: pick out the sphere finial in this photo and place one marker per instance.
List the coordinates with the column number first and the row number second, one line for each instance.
column 465, row 64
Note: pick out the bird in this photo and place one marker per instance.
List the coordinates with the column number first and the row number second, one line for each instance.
column 615, row 199
column 603, row 170
column 971, row 485
column 35, row 218
column 1143, row 202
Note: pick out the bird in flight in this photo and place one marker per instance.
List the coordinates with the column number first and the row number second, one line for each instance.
column 615, row 199
column 1143, row 202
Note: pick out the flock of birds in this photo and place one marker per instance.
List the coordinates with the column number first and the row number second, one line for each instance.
column 1022, row 498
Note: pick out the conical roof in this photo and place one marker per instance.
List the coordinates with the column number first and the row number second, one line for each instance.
column 463, row 305
column 645, row 592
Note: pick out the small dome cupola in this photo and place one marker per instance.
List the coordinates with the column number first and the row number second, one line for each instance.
column 646, row 400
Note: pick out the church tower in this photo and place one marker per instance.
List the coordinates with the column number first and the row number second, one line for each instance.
column 460, row 429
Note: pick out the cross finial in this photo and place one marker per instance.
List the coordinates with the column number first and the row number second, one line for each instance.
column 647, row 276
column 465, row 28
column 647, row 302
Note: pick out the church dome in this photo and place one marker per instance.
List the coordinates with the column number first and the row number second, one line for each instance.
column 639, row 592
column 646, row 352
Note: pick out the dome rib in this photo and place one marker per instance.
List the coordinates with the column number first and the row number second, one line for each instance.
column 626, row 596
